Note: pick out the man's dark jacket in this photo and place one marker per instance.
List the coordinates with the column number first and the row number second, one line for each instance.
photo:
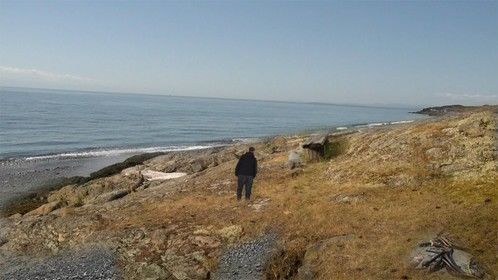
column 247, row 165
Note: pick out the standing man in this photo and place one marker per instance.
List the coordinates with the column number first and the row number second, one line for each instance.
column 246, row 171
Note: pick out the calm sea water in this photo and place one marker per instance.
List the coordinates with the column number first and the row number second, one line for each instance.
column 52, row 124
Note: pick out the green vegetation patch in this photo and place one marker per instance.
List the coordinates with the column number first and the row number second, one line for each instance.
column 334, row 148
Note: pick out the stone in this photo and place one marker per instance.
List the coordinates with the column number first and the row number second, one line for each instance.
column 180, row 274
column 110, row 196
column 65, row 211
column 198, row 166
column 15, row 216
column 61, row 237
column 402, row 180
column 159, row 237
column 450, row 131
column 349, row 198
column 434, row 153
column 70, row 195
column 214, row 162
column 200, row 257
column 206, row 241
column 45, row 209
column 259, row 204
column 202, row 231
column 294, row 159
column 230, row 233
column 153, row 272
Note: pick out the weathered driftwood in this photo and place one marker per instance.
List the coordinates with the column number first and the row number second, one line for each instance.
column 314, row 147
column 440, row 253
column 139, row 182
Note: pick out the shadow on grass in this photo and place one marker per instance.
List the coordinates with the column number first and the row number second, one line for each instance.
column 334, row 148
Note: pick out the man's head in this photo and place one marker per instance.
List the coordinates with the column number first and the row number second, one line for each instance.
column 251, row 149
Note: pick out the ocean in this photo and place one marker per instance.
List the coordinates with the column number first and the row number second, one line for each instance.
column 49, row 135
column 42, row 124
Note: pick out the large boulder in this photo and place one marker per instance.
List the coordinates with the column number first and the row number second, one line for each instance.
column 294, row 159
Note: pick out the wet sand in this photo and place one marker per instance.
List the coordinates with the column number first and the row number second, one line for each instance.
column 19, row 178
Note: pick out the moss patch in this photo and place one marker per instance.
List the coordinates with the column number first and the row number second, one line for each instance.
column 334, row 148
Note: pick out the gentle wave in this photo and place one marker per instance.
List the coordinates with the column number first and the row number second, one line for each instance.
column 102, row 152
column 247, row 140
column 382, row 124
column 401, row 122
column 114, row 152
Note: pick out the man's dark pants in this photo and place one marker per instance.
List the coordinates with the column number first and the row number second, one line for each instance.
column 244, row 181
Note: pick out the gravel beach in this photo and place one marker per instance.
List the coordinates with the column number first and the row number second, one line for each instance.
column 246, row 261
column 20, row 177
column 92, row 264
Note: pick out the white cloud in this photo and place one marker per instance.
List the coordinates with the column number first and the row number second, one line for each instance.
column 34, row 75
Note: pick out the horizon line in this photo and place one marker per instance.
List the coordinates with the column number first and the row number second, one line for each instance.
column 385, row 106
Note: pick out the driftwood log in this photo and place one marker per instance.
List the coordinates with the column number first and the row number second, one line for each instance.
column 138, row 183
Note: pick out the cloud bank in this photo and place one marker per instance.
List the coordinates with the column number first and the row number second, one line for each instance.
column 35, row 77
column 472, row 98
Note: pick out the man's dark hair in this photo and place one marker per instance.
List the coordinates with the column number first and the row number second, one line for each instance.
column 251, row 149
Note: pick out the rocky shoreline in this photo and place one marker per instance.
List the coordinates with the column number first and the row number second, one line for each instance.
column 455, row 109
column 26, row 185
column 383, row 187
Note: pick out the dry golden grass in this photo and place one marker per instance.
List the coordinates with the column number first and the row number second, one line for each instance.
column 387, row 224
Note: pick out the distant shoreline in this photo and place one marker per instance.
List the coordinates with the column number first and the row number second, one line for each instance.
column 454, row 109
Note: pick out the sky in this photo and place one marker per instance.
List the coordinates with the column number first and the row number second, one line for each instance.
column 371, row 53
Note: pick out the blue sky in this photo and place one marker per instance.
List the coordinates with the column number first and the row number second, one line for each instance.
column 422, row 52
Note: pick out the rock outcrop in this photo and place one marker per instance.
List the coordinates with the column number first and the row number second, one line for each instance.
column 404, row 156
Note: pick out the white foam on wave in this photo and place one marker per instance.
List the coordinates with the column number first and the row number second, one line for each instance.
column 377, row 124
column 246, row 140
column 383, row 123
column 341, row 128
column 401, row 122
column 114, row 152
